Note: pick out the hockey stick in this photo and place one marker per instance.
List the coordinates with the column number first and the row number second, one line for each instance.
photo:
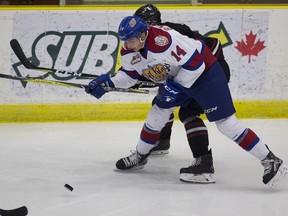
column 15, row 45
column 27, row 64
column 75, row 85
column 21, row 211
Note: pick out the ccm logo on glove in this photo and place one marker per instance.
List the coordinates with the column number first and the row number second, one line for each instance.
column 169, row 91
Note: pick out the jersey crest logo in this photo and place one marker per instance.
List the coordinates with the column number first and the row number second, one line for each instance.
column 157, row 73
column 161, row 40
column 136, row 59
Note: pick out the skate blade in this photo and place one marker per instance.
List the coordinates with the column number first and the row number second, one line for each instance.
column 159, row 152
column 282, row 172
column 205, row 178
column 131, row 169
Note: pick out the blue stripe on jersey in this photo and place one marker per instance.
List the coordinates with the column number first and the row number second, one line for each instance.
column 195, row 61
column 203, row 47
column 132, row 74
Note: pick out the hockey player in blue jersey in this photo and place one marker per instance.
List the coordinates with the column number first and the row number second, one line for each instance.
column 202, row 169
column 188, row 71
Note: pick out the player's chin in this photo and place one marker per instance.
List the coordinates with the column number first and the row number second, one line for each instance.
column 136, row 49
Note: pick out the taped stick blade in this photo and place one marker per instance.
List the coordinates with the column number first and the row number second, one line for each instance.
column 21, row 211
column 20, row 54
column 23, row 58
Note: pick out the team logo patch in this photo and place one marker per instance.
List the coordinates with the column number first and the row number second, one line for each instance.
column 132, row 22
column 136, row 59
column 161, row 40
column 157, row 73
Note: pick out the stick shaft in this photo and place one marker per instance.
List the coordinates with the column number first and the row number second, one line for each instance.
column 15, row 45
column 69, row 84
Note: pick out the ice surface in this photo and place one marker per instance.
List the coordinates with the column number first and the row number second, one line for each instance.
column 37, row 159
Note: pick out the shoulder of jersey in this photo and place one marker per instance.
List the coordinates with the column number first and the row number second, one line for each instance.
column 159, row 39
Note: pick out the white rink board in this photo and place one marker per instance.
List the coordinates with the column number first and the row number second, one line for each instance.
column 78, row 41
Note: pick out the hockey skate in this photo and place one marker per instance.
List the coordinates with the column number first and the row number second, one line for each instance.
column 133, row 162
column 162, row 147
column 201, row 170
column 274, row 170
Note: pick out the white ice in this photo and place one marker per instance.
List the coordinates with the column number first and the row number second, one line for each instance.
column 37, row 159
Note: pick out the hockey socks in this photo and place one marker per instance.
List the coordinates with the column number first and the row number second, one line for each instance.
column 147, row 141
column 249, row 141
column 197, row 136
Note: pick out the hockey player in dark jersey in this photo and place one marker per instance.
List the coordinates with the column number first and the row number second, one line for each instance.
column 188, row 71
column 196, row 130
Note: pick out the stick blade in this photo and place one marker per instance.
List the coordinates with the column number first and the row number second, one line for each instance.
column 21, row 211
column 20, row 54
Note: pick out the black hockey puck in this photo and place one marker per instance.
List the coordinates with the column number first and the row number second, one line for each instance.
column 68, row 187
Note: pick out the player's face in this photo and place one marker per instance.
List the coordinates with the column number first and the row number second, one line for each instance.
column 134, row 44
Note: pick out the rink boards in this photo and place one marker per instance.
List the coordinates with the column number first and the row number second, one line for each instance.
column 84, row 40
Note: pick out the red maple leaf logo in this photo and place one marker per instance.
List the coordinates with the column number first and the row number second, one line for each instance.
column 249, row 47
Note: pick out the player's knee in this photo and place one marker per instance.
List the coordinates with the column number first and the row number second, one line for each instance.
column 230, row 127
column 185, row 116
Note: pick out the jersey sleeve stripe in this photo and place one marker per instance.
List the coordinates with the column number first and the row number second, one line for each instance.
column 194, row 62
column 133, row 74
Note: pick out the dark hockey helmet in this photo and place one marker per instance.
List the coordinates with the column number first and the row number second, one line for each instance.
column 149, row 13
column 131, row 27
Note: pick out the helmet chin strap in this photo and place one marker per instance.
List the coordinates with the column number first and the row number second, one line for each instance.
column 143, row 39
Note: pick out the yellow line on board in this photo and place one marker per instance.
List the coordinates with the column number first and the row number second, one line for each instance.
column 121, row 112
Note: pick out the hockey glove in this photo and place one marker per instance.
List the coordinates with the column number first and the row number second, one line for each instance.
column 96, row 86
column 169, row 91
